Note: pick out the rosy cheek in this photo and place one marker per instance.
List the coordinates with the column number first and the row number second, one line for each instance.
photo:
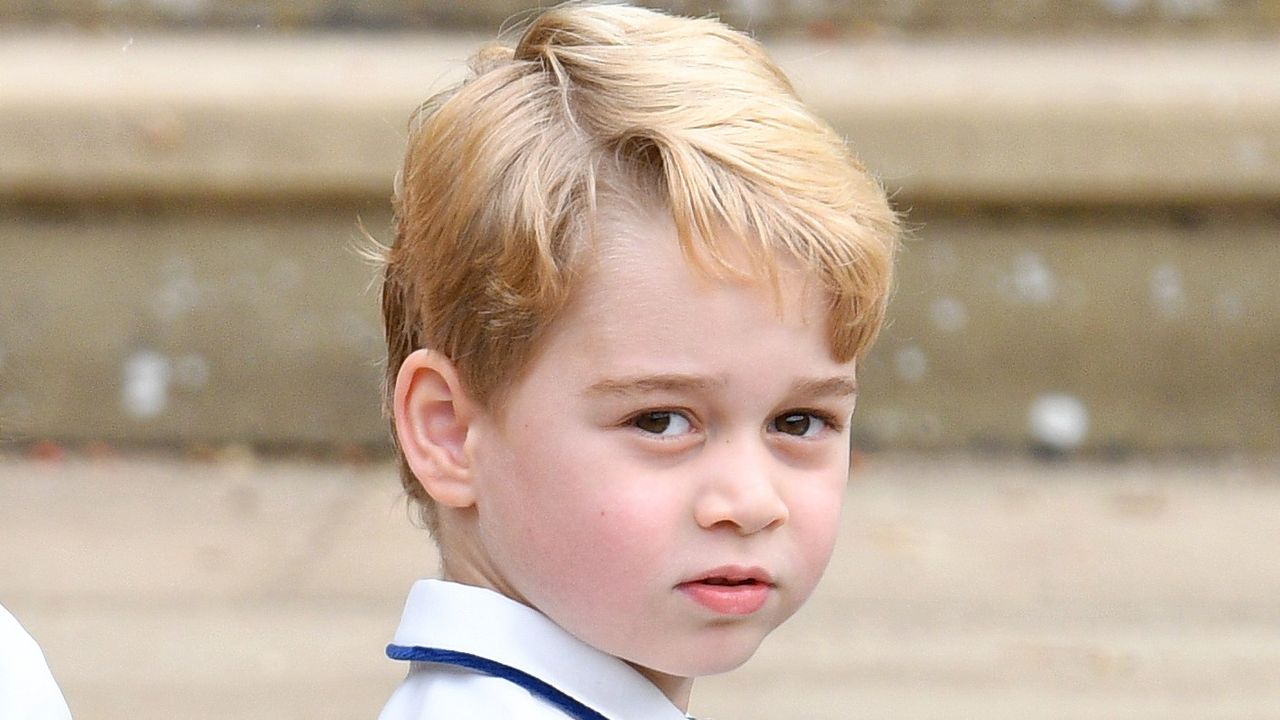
column 815, row 517
column 625, row 537
column 576, row 527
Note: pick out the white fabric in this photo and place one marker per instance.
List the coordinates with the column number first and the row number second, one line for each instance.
column 462, row 618
column 27, row 689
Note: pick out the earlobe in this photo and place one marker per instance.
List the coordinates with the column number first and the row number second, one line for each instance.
column 433, row 414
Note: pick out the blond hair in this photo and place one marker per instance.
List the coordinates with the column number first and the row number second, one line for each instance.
column 503, row 172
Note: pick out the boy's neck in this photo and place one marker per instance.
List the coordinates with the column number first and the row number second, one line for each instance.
column 677, row 689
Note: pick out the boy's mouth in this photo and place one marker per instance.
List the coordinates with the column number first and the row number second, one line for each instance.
column 730, row 591
column 727, row 582
column 733, row 577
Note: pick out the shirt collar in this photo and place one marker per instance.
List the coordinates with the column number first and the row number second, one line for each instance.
column 467, row 619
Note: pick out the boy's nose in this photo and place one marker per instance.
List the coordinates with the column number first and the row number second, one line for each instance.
column 741, row 491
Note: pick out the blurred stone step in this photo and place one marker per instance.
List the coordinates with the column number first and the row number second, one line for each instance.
column 193, row 323
column 961, row 587
column 846, row 17
column 124, row 116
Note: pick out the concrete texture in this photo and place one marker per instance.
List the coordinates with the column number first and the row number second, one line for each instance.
column 265, row 117
column 963, row 587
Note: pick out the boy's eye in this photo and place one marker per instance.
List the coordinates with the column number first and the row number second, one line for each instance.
column 662, row 422
column 800, row 424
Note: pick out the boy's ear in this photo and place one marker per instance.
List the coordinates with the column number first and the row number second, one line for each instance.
column 433, row 415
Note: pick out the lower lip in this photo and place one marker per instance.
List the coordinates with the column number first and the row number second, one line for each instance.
column 728, row 599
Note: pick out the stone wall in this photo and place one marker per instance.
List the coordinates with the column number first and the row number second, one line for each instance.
column 1092, row 263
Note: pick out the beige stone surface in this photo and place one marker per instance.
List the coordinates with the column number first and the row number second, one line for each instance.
column 1161, row 325
column 195, row 324
column 125, row 114
column 846, row 17
column 199, row 324
column 962, row 587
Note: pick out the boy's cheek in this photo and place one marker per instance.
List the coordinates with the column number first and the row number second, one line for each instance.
column 620, row 524
column 815, row 520
column 820, row 542
column 592, row 563
column 587, row 513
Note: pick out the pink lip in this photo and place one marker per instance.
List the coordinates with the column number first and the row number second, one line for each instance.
column 730, row 590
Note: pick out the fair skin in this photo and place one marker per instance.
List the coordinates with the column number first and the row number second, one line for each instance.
column 664, row 481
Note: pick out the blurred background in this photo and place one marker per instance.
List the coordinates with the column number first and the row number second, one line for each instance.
column 1066, row 501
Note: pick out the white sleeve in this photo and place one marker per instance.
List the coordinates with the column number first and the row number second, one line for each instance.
column 27, row 689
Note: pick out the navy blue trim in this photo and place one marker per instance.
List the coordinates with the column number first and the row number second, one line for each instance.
column 535, row 686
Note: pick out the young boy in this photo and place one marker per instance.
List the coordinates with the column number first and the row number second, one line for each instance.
column 631, row 280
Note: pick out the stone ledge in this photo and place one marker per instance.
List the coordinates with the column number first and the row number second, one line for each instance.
column 847, row 17
column 304, row 117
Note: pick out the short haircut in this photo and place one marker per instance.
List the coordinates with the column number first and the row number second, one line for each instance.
column 504, row 173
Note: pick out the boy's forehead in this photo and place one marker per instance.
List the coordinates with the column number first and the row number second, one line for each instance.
column 625, row 236
column 644, row 318
column 637, row 265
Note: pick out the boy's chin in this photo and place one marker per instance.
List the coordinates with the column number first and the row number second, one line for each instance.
column 711, row 659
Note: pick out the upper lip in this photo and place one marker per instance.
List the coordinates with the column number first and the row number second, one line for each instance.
column 733, row 574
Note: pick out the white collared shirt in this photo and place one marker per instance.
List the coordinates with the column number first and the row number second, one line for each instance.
column 27, row 689
column 478, row 655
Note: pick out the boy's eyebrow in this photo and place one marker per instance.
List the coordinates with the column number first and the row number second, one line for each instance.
column 668, row 382
column 838, row 386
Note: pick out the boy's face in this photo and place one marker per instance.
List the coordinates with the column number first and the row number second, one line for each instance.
column 665, row 481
